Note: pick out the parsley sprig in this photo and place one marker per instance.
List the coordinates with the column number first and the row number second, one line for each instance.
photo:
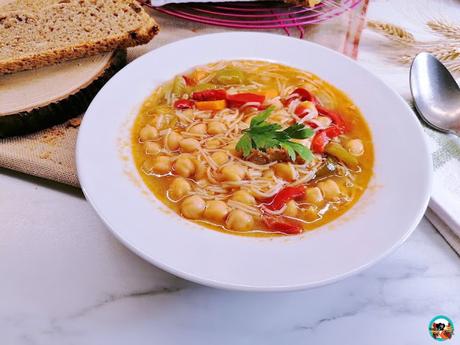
column 262, row 135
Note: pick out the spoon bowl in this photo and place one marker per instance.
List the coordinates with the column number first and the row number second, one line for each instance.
column 436, row 93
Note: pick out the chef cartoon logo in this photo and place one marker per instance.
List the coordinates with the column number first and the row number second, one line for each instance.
column 441, row 328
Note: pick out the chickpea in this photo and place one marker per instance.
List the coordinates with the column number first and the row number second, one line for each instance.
column 193, row 207
column 355, row 147
column 219, row 157
column 200, row 128
column 160, row 165
column 200, row 170
column 189, row 145
column 313, row 195
column 286, row 171
column 184, row 166
column 179, row 188
column 244, row 197
column 212, row 144
column 216, row 127
column 268, row 174
column 330, row 189
column 233, row 172
column 172, row 141
column 151, row 148
column 291, row 209
column 239, row 220
column 148, row 133
column 310, row 213
column 216, row 211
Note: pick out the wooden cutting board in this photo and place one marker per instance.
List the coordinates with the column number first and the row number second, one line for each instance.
column 36, row 99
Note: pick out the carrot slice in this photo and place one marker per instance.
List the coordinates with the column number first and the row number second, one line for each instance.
column 211, row 105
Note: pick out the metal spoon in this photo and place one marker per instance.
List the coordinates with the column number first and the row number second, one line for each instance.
column 436, row 94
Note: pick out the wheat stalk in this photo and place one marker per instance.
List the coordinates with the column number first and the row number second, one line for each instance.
column 446, row 50
column 444, row 28
column 392, row 31
column 454, row 68
column 441, row 53
column 448, row 54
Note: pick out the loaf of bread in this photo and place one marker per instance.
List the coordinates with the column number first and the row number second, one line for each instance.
column 36, row 33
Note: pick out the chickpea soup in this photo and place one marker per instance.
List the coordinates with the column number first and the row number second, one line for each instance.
column 253, row 148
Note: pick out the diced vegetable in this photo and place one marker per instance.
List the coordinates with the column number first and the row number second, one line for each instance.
column 337, row 119
column 338, row 151
column 193, row 78
column 304, row 94
column 281, row 224
column 323, row 137
column 229, row 75
column 178, row 87
column 270, row 93
column 284, row 196
column 319, row 141
column 239, row 99
column 183, row 104
column 211, row 105
column 333, row 131
column 189, row 81
column 303, row 108
column 209, row 95
column 203, row 87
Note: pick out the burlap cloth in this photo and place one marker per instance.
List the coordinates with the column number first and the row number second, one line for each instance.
column 51, row 153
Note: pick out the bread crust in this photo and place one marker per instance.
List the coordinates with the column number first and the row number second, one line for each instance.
column 41, row 58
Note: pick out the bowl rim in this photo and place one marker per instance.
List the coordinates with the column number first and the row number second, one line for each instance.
column 242, row 287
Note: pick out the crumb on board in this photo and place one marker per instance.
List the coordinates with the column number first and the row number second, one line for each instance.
column 75, row 123
column 45, row 155
column 52, row 135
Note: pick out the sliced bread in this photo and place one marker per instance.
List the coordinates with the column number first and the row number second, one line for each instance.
column 43, row 32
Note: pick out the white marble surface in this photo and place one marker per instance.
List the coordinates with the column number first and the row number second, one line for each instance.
column 66, row 280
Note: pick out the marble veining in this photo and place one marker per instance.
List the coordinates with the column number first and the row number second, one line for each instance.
column 65, row 280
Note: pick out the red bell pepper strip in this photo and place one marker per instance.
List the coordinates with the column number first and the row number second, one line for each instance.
column 311, row 124
column 323, row 137
column 183, row 104
column 302, row 109
column 189, row 81
column 280, row 224
column 284, row 196
column 304, row 94
column 209, row 95
column 319, row 141
column 336, row 118
column 239, row 99
column 333, row 131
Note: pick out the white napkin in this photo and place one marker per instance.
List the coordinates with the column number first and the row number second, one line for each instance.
column 445, row 199
column 377, row 53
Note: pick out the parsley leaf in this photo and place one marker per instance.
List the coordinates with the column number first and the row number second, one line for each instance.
column 262, row 135
column 245, row 144
column 259, row 119
column 299, row 131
